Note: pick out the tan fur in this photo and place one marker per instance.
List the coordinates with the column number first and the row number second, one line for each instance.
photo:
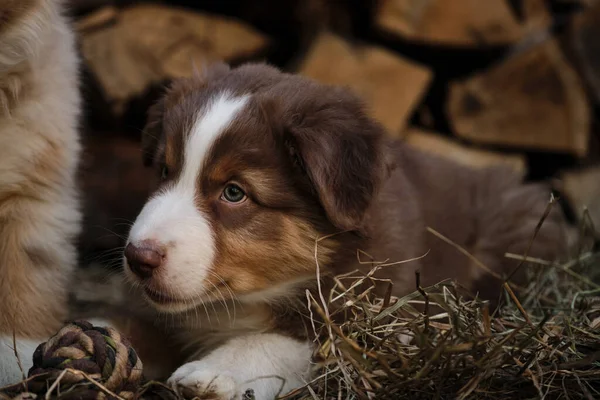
column 39, row 151
column 265, row 266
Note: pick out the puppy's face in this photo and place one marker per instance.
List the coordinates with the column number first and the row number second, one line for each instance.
column 255, row 166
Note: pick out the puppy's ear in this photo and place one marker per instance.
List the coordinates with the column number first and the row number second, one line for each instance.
column 152, row 132
column 340, row 148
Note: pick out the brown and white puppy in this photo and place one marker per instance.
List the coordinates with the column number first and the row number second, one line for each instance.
column 256, row 166
column 39, row 152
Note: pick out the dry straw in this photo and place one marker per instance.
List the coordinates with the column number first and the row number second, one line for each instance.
column 441, row 342
column 542, row 342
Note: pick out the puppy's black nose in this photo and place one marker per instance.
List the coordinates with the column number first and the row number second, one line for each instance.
column 144, row 259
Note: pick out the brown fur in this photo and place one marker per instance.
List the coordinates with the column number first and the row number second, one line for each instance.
column 314, row 166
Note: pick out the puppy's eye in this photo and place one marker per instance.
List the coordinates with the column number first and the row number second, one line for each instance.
column 164, row 172
column 233, row 194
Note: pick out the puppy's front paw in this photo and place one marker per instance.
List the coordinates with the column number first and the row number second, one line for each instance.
column 196, row 379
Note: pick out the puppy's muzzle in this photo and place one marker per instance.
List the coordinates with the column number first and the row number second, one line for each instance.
column 144, row 259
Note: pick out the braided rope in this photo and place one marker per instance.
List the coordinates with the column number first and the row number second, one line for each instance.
column 101, row 353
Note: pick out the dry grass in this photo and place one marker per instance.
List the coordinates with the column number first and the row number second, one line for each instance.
column 388, row 349
column 458, row 348
column 440, row 342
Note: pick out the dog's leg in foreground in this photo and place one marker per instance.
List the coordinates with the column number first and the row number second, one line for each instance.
column 269, row 364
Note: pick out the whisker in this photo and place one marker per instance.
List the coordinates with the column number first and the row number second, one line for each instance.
column 231, row 293
column 223, row 300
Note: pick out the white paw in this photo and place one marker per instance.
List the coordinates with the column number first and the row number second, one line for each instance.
column 196, row 380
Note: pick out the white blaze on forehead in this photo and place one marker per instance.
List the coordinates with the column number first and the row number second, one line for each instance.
column 172, row 218
column 208, row 127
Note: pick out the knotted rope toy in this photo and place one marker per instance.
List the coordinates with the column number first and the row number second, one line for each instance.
column 93, row 362
column 87, row 362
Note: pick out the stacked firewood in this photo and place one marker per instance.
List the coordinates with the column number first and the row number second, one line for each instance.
column 483, row 82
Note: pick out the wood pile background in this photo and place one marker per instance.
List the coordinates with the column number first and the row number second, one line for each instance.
column 483, row 82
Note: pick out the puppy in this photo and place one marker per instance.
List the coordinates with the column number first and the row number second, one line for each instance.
column 39, row 152
column 269, row 180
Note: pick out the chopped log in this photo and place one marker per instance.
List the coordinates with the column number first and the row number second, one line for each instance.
column 82, row 6
column 391, row 86
column 100, row 19
column 532, row 100
column 461, row 22
column 147, row 44
column 462, row 154
column 583, row 38
column 582, row 189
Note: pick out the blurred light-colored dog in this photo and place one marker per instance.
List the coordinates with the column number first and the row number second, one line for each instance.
column 39, row 152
